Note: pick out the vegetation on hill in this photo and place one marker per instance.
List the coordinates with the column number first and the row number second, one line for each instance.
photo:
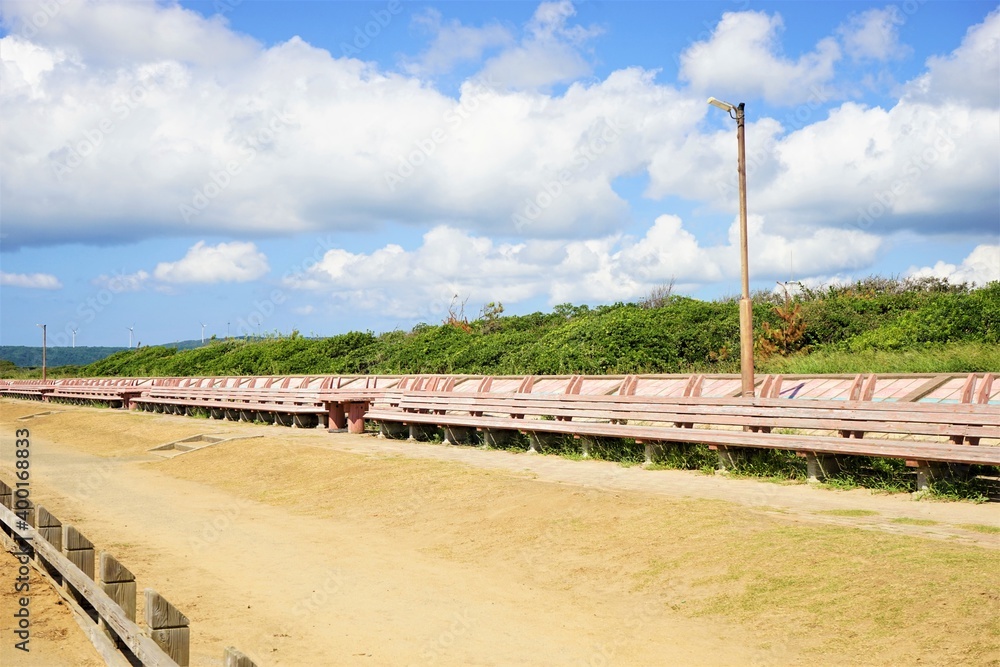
column 877, row 324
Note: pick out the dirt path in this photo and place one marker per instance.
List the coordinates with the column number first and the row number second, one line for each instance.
column 305, row 548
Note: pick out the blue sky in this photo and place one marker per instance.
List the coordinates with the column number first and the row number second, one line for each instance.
column 265, row 166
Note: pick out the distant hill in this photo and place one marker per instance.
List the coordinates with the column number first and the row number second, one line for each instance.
column 24, row 356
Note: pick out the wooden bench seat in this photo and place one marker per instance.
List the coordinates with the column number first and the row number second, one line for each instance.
column 960, row 423
column 608, row 416
column 120, row 395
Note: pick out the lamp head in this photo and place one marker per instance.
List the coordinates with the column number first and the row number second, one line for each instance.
column 725, row 106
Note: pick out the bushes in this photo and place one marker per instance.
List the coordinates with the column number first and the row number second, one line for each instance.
column 876, row 324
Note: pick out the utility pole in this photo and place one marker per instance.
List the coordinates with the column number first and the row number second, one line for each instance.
column 44, row 345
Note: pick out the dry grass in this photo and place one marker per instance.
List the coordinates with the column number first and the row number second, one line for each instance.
column 860, row 596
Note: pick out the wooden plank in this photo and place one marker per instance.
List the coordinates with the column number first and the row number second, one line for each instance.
column 817, row 444
column 851, row 413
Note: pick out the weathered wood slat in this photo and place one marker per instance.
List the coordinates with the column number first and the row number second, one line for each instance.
column 944, row 453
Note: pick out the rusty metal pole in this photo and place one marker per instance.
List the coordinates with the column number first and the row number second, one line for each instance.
column 746, row 309
column 44, row 374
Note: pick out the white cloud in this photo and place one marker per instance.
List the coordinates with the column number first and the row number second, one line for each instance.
column 226, row 262
column 30, row 280
column 253, row 149
column 119, row 32
column 980, row 267
column 123, row 282
column 919, row 165
column 454, row 42
column 874, row 35
column 548, row 55
column 969, row 74
column 742, row 59
column 450, row 262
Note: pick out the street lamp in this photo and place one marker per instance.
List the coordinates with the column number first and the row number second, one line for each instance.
column 44, row 345
column 746, row 310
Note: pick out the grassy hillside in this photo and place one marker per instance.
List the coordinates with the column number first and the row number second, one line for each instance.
column 875, row 325
column 28, row 356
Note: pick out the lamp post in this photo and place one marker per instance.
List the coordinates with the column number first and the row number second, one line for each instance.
column 44, row 344
column 746, row 310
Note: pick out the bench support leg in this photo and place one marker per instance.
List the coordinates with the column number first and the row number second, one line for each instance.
column 392, row 430
column 586, row 444
column 457, row 435
column 728, row 457
column 356, row 417
column 820, row 466
column 536, row 441
column 927, row 472
column 338, row 421
column 650, row 450
column 494, row 437
column 420, row 432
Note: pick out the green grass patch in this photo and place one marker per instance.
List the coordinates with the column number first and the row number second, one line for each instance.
column 849, row 512
column 981, row 528
column 913, row 522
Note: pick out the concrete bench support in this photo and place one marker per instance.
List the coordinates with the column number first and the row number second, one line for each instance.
column 729, row 457
column 538, row 441
column 337, row 417
column 458, row 435
column 356, row 417
column 496, row 437
column 820, row 466
column 393, row 430
column 928, row 472
column 420, row 432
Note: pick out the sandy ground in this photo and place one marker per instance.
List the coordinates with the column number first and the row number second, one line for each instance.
column 55, row 639
column 306, row 548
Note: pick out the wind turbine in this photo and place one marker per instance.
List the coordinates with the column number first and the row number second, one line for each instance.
column 202, row 332
column 74, row 337
column 130, row 335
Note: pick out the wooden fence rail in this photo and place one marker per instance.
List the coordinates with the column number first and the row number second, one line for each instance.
column 64, row 556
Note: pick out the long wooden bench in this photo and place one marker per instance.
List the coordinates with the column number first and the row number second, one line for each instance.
column 961, row 423
column 116, row 396
column 671, row 420
column 341, row 409
column 282, row 406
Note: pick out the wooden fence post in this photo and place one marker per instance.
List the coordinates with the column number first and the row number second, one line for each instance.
column 78, row 549
column 5, row 496
column 168, row 627
column 119, row 583
column 234, row 658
